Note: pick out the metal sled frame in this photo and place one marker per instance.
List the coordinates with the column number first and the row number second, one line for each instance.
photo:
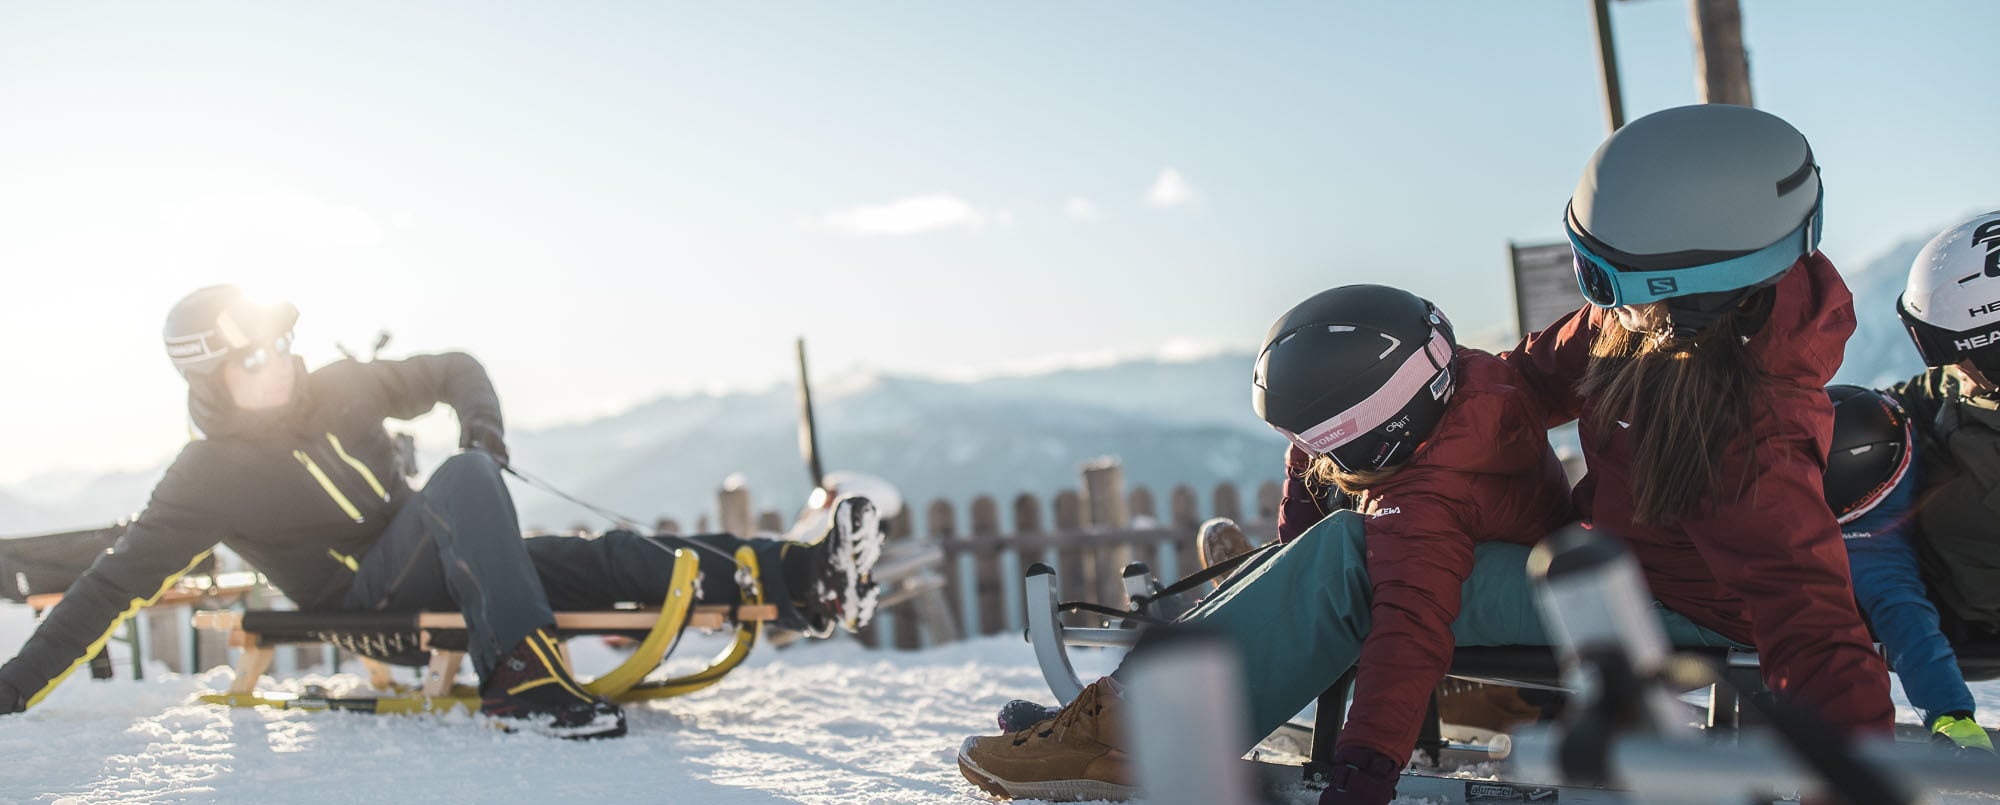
column 259, row 634
column 1522, row 666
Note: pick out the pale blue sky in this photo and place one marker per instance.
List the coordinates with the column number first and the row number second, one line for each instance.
column 607, row 201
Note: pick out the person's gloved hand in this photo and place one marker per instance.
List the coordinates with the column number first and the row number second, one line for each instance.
column 484, row 435
column 11, row 700
column 1361, row 776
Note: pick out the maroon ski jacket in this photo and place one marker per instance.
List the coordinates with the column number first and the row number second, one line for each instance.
column 1765, row 564
column 1485, row 474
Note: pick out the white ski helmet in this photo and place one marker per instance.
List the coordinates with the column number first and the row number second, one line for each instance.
column 1951, row 305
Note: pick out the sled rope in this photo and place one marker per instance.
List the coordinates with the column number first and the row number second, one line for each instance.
column 1199, row 578
column 615, row 518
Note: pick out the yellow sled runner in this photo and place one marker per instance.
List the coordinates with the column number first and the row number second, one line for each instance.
column 438, row 638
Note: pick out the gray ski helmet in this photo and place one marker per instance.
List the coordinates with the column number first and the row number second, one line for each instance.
column 207, row 326
column 1696, row 206
column 1951, row 305
column 1360, row 372
column 1870, row 451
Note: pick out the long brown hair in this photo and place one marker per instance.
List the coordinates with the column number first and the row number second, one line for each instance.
column 1687, row 399
column 1326, row 472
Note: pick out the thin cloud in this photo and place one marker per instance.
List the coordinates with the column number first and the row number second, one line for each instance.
column 1081, row 209
column 906, row 216
column 1170, row 189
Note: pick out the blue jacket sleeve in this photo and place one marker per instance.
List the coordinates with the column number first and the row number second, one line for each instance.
column 1890, row 590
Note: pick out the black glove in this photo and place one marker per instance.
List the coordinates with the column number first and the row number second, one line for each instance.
column 11, row 700
column 481, row 434
column 1361, row 776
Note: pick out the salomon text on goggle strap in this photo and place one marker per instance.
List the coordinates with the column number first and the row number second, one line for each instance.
column 1610, row 280
column 1376, row 411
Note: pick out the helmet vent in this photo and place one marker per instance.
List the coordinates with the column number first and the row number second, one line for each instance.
column 1394, row 342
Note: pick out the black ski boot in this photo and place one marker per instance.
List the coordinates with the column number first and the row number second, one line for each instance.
column 532, row 690
column 829, row 579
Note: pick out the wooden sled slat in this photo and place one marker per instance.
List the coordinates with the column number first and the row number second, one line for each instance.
column 705, row 616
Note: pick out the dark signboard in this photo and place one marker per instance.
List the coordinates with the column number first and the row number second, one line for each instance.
column 1544, row 284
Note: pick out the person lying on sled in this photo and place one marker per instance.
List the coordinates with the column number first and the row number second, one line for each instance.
column 1671, row 392
column 1871, row 486
column 294, row 471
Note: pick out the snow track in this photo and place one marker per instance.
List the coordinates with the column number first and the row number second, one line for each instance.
column 825, row 722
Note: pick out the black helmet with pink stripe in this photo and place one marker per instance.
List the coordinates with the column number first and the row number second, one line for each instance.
column 1361, row 373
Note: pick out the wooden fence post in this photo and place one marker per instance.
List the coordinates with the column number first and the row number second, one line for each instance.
column 1145, row 513
column 1269, row 495
column 1227, row 502
column 1186, row 518
column 933, row 623
column 1027, row 527
column 1164, row 559
column 770, row 522
column 1076, row 567
column 732, row 506
column 1107, row 517
column 990, row 578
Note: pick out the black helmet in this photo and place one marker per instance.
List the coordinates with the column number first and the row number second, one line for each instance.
column 1360, row 372
column 206, row 326
column 1871, row 450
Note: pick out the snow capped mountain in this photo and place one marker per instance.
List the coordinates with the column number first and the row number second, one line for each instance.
column 1880, row 353
column 1171, row 422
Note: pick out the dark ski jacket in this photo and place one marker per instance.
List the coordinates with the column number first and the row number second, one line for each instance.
column 1764, row 564
column 1958, row 518
column 299, row 493
column 1486, row 474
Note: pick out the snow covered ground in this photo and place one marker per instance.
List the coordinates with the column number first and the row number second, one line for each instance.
column 822, row 723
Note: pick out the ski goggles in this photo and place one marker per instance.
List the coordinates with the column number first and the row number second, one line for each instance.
column 1423, row 368
column 1606, row 282
column 261, row 358
column 1937, row 346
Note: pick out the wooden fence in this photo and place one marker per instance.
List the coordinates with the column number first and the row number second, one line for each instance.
column 1088, row 534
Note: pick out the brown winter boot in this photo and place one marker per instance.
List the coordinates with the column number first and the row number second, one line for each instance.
column 1220, row 540
column 1077, row 755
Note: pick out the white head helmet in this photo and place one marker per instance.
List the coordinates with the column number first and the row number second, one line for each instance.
column 1951, row 305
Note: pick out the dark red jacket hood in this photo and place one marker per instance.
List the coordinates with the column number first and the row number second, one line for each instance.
column 1485, row 474
column 1765, row 564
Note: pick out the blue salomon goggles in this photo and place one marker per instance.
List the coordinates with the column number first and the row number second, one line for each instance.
column 1607, row 283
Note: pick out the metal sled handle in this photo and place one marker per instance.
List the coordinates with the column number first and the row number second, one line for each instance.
column 1052, row 640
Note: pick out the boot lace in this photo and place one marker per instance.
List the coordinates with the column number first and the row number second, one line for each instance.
column 1087, row 705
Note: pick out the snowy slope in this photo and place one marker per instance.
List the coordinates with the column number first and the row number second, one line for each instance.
column 820, row 723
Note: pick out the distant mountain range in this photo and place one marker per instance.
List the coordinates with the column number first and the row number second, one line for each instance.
column 1171, row 422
